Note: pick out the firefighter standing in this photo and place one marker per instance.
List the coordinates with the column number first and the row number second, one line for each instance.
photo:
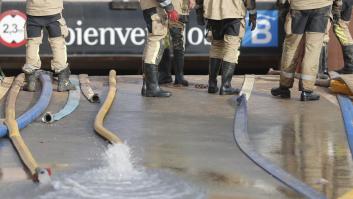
column 43, row 14
column 225, row 20
column 156, row 14
column 341, row 30
column 309, row 17
column 177, row 33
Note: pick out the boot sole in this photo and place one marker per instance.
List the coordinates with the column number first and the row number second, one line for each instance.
column 306, row 100
column 162, row 96
column 283, row 96
column 212, row 91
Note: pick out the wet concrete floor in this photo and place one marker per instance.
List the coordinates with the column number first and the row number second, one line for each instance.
column 191, row 136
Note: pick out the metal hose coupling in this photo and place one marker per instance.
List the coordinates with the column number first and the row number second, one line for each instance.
column 87, row 90
column 42, row 176
column 48, row 117
column 72, row 103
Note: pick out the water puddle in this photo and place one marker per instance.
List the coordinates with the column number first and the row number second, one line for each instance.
column 118, row 178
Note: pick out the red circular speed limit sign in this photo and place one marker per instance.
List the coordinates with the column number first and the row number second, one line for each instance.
column 12, row 25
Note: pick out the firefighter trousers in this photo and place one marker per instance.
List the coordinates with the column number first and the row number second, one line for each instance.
column 312, row 24
column 57, row 31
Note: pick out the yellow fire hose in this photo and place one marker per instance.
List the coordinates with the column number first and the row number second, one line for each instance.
column 5, row 86
column 38, row 174
column 98, row 123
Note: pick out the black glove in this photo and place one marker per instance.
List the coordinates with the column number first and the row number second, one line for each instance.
column 252, row 20
column 336, row 11
column 283, row 9
column 199, row 15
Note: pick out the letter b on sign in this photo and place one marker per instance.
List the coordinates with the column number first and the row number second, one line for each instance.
column 266, row 32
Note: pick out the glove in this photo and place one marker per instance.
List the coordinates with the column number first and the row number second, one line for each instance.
column 336, row 11
column 192, row 4
column 252, row 20
column 199, row 15
column 283, row 9
column 173, row 15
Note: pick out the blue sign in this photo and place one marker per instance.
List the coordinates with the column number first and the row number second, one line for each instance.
column 266, row 32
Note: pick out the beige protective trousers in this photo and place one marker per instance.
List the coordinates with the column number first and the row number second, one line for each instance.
column 157, row 25
column 226, row 39
column 312, row 24
column 57, row 30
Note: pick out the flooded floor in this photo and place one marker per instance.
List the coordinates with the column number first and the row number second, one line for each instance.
column 181, row 147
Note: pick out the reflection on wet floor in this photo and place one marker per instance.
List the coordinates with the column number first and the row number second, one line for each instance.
column 307, row 139
column 187, row 141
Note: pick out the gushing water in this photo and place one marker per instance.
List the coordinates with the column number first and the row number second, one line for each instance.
column 120, row 178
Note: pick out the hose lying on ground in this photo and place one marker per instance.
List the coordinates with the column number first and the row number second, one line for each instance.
column 72, row 103
column 36, row 110
column 242, row 139
column 5, row 85
column 87, row 90
column 38, row 174
column 98, row 123
column 347, row 114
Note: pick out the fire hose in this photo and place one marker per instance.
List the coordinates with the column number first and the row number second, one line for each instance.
column 5, row 86
column 39, row 174
column 87, row 90
column 98, row 123
column 36, row 110
column 242, row 139
column 72, row 103
column 347, row 114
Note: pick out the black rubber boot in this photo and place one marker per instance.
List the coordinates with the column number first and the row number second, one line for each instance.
column 227, row 75
column 213, row 71
column 151, row 81
column 348, row 60
column 31, row 80
column 179, row 68
column 165, row 68
column 309, row 96
column 143, row 89
column 323, row 68
column 64, row 83
column 281, row 91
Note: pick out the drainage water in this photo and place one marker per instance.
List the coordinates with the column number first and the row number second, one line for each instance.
column 120, row 178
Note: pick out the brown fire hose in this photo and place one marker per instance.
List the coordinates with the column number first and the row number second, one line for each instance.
column 98, row 123
column 38, row 174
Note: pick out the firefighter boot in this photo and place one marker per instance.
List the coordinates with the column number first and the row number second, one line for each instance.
column 227, row 75
column 214, row 67
column 165, row 67
column 64, row 83
column 31, row 80
column 179, row 68
column 348, row 60
column 151, row 80
column 323, row 68
column 143, row 89
column 309, row 96
column 281, row 91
